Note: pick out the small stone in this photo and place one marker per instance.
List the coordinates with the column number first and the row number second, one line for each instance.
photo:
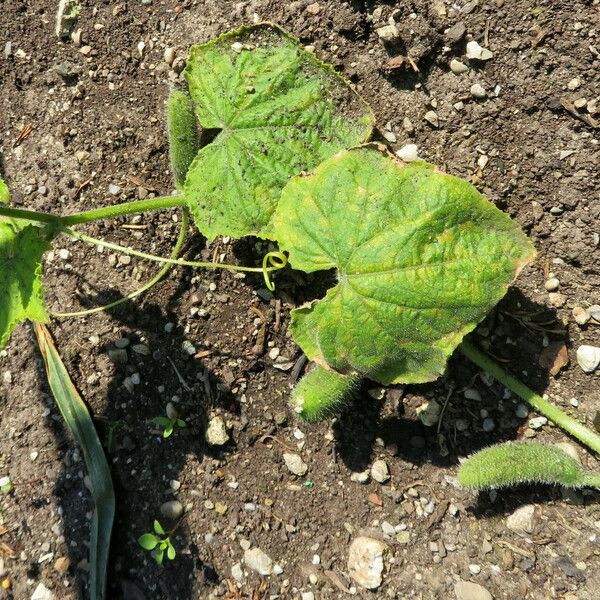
column 466, row 590
column 169, row 55
column 313, row 9
column 522, row 411
column 41, row 592
column 237, row 47
column 407, row 125
column 307, row 596
column 588, row 358
column 537, row 422
column 478, row 91
column 380, row 471
column 216, row 432
column 388, row 33
column 360, row 477
column 488, row 425
column 472, row 394
column 522, row 521
column 432, row 118
column 557, row 300
column 574, row 84
column 552, row 284
column 113, row 189
column 295, row 464
column 141, row 349
column 594, row 311
column 237, row 573
column 173, row 509
column 429, row 413
column 581, row 315
column 475, row 569
column 390, row 136
column 456, row 32
column 61, row 564
column 122, row 343
column 408, row 153
column 258, row 561
column 365, row 561
column 458, row 67
column 477, row 52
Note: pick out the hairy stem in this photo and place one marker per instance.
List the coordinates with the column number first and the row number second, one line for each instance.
column 29, row 215
column 549, row 410
column 99, row 214
column 150, row 284
column 127, row 208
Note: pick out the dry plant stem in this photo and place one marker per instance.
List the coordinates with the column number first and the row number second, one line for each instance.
column 588, row 437
column 163, row 271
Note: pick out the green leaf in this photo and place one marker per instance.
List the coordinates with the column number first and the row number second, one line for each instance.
column 21, row 291
column 171, row 552
column 4, row 192
column 512, row 464
column 157, row 555
column 278, row 111
column 421, row 257
column 158, row 528
column 148, row 541
column 81, row 426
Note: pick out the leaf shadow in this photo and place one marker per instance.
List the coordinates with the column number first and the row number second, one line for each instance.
column 516, row 330
column 137, row 453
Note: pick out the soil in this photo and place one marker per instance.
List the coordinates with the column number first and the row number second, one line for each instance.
column 97, row 115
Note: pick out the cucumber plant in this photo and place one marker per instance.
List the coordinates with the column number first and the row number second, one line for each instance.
column 421, row 256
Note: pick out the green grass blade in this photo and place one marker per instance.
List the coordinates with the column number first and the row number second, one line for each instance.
column 79, row 422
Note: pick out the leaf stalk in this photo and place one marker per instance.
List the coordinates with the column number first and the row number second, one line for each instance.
column 585, row 435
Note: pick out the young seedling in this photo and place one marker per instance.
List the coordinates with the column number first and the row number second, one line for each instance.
column 168, row 424
column 513, row 464
column 158, row 543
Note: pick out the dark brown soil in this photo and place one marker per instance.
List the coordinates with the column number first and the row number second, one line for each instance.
column 101, row 122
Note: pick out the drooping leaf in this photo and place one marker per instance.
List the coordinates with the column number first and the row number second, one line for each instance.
column 81, row 426
column 421, row 257
column 21, row 291
column 278, row 111
column 512, row 464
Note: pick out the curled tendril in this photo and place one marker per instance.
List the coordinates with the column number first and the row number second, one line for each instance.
column 272, row 261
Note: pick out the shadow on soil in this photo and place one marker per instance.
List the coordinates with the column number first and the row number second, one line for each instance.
column 139, row 457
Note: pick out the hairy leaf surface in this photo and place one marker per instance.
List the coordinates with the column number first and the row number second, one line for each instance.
column 421, row 257
column 21, row 293
column 278, row 111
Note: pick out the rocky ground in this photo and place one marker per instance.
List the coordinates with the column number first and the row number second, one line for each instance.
column 502, row 93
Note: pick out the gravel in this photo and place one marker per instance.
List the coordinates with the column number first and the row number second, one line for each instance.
column 365, row 561
column 588, row 358
column 380, row 472
column 295, row 464
column 216, row 432
column 258, row 561
column 173, row 509
column 523, row 520
column 466, row 590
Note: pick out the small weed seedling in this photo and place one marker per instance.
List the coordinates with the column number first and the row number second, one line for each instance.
column 421, row 256
column 158, row 543
column 168, row 424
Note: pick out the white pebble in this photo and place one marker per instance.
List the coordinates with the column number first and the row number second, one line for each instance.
column 408, row 153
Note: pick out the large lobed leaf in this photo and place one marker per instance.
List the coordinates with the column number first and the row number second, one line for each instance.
column 279, row 111
column 21, row 250
column 421, row 258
